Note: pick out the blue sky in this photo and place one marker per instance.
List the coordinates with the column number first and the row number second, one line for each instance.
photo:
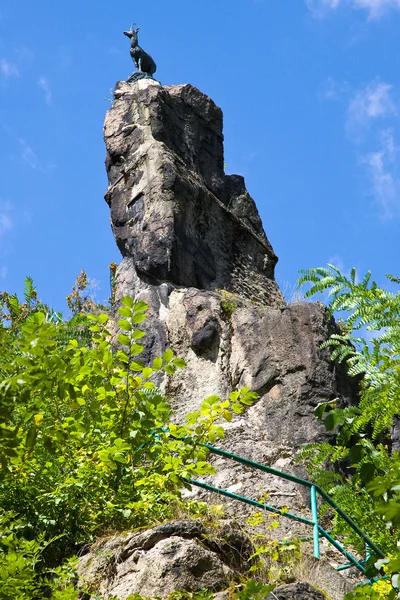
column 310, row 91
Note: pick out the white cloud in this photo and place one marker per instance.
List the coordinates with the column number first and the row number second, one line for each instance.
column 373, row 102
column 6, row 223
column 319, row 8
column 384, row 172
column 44, row 84
column 27, row 154
column 375, row 8
column 8, row 69
column 332, row 89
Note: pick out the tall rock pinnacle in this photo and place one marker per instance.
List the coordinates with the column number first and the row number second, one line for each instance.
column 187, row 232
column 174, row 212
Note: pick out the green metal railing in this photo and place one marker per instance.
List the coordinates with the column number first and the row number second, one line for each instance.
column 315, row 491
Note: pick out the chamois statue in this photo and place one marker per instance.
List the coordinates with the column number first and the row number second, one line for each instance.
column 143, row 61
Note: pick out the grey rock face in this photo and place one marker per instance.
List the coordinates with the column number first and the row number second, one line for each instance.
column 175, row 556
column 174, row 213
column 187, row 231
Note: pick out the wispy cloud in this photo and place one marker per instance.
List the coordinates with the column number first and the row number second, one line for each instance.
column 6, row 223
column 375, row 101
column 333, row 90
column 8, row 69
column 27, row 154
column 371, row 123
column 44, row 84
column 384, row 172
column 375, row 8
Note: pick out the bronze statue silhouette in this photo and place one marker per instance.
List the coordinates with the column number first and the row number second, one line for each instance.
column 143, row 61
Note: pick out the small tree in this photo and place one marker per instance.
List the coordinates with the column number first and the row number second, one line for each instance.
column 369, row 344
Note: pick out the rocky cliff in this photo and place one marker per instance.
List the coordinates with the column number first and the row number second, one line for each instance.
column 195, row 250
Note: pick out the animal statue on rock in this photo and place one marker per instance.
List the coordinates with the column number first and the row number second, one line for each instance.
column 143, row 61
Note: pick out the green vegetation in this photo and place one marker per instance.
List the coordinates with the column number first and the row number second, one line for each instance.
column 87, row 446
column 86, row 442
column 365, row 475
column 229, row 301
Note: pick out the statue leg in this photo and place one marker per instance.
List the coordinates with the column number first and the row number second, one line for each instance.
column 140, row 65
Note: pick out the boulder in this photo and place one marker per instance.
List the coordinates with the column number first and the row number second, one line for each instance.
column 176, row 556
column 297, row 591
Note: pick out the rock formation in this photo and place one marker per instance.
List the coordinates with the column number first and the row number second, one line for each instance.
column 195, row 250
column 177, row 556
column 185, row 555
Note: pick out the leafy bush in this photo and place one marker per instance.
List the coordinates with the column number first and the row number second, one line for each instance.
column 366, row 480
column 86, row 445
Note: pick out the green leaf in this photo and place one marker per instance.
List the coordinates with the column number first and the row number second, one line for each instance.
column 157, row 363
column 136, row 349
column 38, row 318
column 102, row 319
column 320, row 409
column 140, row 306
column 127, row 301
column 124, row 340
column 179, row 362
column 136, row 365
column 169, row 369
column 332, row 420
column 367, row 472
column 211, row 400
column 31, row 437
column 227, row 415
column 137, row 334
column 147, row 372
column 139, row 318
column 237, row 408
column 125, row 325
column 125, row 312
column 168, row 355
column 122, row 356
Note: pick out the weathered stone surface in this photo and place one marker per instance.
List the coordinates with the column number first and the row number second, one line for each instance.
column 187, row 231
column 297, row 591
column 180, row 244
column 174, row 213
column 175, row 556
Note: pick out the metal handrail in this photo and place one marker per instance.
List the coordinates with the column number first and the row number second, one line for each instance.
column 315, row 490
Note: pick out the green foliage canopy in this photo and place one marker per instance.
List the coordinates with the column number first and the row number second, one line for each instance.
column 86, row 442
column 366, row 481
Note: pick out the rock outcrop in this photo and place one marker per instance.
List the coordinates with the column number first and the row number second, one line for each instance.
column 175, row 215
column 185, row 556
column 156, row 562
column 195, row 250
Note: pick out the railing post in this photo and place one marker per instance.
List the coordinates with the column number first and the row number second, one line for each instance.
column 367, row 552
column 314, row 518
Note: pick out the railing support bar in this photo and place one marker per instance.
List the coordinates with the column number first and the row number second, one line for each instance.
column 339, row 547
column 273, row 509
column 314, row 516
